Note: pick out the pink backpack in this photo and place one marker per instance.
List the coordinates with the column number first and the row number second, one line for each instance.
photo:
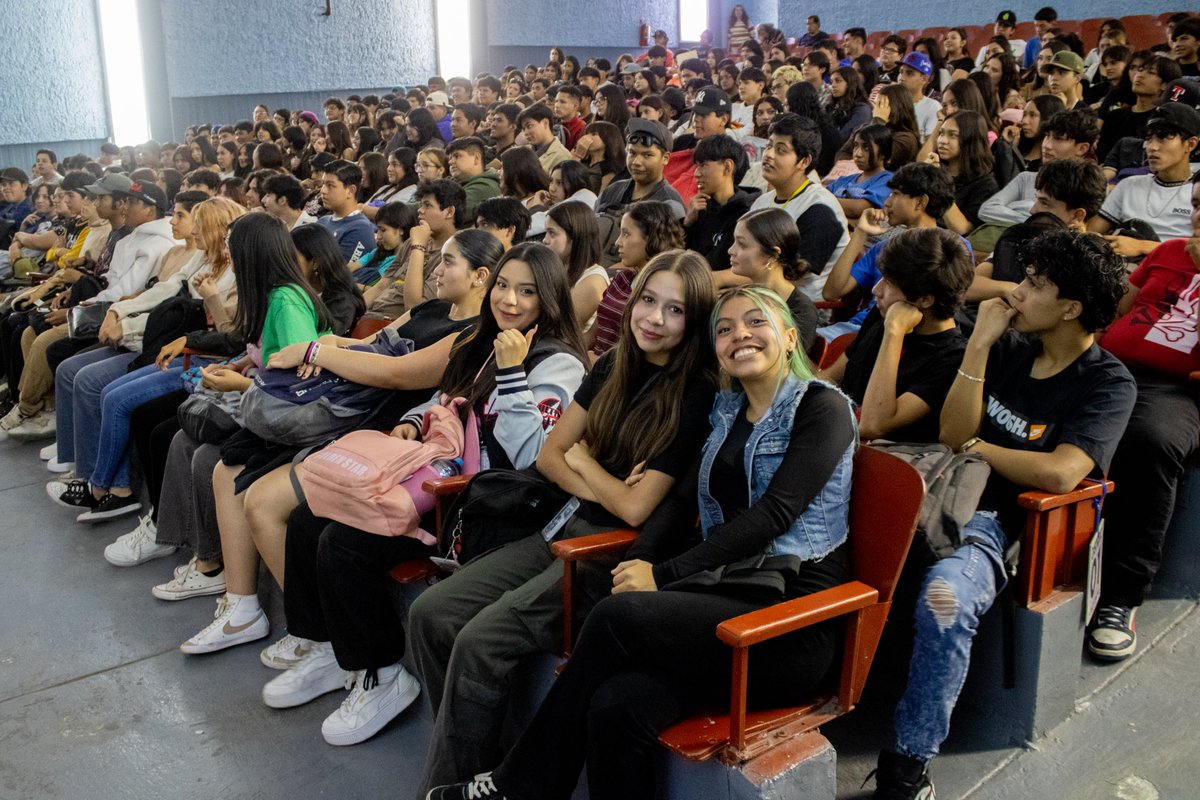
column 372, row 481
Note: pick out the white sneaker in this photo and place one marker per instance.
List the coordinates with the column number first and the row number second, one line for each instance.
column 365, row 712
column 286, row 653
column 190, row 582
column 40, row 426
column 315, row 674
column 48, row 452
column 11, row 421
column 222, row 633
column 137, row 546
column 56, row 466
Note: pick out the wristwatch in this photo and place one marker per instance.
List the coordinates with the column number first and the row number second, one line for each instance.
column 969, row 443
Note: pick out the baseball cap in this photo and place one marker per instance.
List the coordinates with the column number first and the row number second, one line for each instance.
column 147, row 193
column 654, row 131
column 1183, row 90
column 310, row 117
column 1007, row 18
column 10, row 174
column 920, row 62
column 1065, row 59
column 632, row 68
column 711, row 100
column 109, row 183
column 1174, row 118
column 437, row 99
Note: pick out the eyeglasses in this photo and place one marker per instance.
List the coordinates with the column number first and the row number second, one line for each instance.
column 890, row 49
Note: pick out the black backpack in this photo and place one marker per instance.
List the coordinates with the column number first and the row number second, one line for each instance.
column 497, row 507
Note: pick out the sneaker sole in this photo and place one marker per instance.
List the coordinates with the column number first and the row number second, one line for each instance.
column 42, row 455
column 377, row 723
column 299, row 698
column 59, row 469
column 100, row 516
column 277, row 663
column 117, row 561
column 31, row 436
column 162, row 594
column 1109, row 654
column 252, row 634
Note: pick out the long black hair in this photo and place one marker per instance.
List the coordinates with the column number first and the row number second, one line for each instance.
column 427, row 128
column 264, row 259
column 471, row 371
column 329, row 273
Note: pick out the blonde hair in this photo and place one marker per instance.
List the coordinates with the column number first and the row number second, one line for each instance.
column 212, row 219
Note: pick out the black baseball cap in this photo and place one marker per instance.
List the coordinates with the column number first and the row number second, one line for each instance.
column 1174, row 118
column 711, row 100
column 1007, row 18
column 147, row 193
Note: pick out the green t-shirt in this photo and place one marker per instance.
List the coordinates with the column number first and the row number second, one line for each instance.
column 291, row 318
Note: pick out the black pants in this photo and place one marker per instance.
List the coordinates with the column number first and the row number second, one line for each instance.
column 12, row 325
column 152, row 426
column 339, row 590
column 643, row 661
column 1163, row 431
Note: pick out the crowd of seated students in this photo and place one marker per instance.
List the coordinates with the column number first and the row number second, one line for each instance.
column 620, row 268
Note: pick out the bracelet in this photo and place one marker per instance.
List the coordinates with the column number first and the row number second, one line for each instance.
column 310, row 355
column 422, row 248
column 969, row 443
column 971, row 378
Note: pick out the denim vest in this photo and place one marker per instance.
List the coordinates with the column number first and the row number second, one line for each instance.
column 824, row 524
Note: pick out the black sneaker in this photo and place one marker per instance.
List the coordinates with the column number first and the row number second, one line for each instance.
column 900, row 778
column 72, row 494
column 480, row 787
column 1114, row 634
column 110, row 507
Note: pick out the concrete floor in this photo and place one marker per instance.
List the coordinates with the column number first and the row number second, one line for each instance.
column 96, row 701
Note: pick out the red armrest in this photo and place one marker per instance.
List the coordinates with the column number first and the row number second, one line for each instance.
column 598, row 544
column 776, row 620
column 1195, row 376
column 831, row 304
column 1044, row 501
column 443, row 487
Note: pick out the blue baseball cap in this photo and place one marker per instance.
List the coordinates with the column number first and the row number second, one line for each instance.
column 920, row 62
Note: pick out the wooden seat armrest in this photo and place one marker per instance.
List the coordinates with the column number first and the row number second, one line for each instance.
column 830, row 304
column 598, row 544
column 188, row 353
column 444, row 487
column 1195, row 376
column 1044, row 501
column 781, row 618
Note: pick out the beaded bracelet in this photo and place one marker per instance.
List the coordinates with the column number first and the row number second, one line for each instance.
column 971, row 378
column 310, row 355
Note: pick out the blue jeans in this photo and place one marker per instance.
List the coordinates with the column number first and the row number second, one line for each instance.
column 957, row 591
column 109, row 364
column 109, row 441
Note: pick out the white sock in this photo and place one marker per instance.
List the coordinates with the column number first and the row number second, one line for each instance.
column 388, row 674
column 245, row 607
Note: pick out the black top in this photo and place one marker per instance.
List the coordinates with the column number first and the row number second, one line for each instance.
column 928, row 365
column 969, row 196
column 1120, row 123
column 429, row 323
column 680, row 454
column 712, row 232
column 1087, row 405
column 822, row 430
column 820, row 233
column 804, row 314
column 966, row 64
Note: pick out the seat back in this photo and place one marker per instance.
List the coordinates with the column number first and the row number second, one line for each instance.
column 1144, row 30
column 885, row 502
column 834, row 350
column 369, row 325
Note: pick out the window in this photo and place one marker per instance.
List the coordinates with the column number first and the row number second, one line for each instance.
column 454, row 38
column 693, row 19
column 120, row 36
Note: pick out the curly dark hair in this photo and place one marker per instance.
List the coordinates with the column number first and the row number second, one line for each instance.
column 1083, row 267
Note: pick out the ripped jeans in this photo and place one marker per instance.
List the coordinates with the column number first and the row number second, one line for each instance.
column 957, row 591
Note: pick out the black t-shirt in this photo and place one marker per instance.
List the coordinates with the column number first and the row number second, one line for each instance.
column 1086, row 405
column 1191, row 70
column 1120, row 123
column 927, row 368
column 683, row 449
column 969, row 196
column 804, row 314
column 822, row 430
column 966, row 64
column 430, row 322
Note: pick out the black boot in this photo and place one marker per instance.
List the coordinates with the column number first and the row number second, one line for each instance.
column 901, row 778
